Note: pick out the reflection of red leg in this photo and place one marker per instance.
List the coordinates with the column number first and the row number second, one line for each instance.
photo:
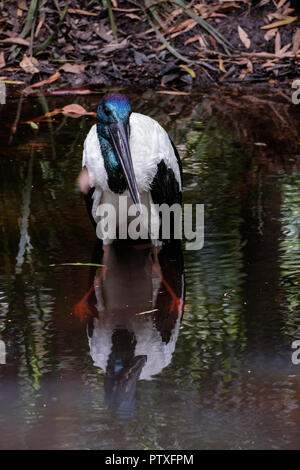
column 177, row 303
column 82, row 309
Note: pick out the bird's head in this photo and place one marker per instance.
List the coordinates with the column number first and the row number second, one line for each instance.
column 112, row 109
column 113, row 126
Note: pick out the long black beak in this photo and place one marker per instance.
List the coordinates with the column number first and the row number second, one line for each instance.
column 119, row 135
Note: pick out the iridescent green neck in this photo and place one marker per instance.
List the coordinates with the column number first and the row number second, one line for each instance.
column 116, row 179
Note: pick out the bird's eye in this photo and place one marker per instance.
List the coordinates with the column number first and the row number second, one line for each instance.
column 107, row 111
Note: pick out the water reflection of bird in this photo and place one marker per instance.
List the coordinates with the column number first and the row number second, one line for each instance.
column 133, row 317
column 128, row 154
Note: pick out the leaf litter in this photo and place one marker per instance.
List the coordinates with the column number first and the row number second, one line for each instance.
column 98, row 46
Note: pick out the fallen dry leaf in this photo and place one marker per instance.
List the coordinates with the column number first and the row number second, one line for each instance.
column 182, row 26
column 20, row 41
column 270, row 34
column 51, row 79
column 249, row 67
column 102, row 32
column 193, row 39
column 29, row 64
column 281, row 3
column 263, row 2
column 49, row 114
column 171, row 92
column 284, row 49
column 277, row 16
column 77, row 11
column 202, row 42
column 212, row 41
column 115, row 46
column 22, row 5
column 270, row 63
column 244, row 37
column 296, row 41
column 73, row 68
column 221, row 65
column 42, row 118
column 41, row 22
column 277, row 43
column 2, row 60
column 75, row 110
column 226, row 7
column 126, row 9
column 241, row 61
column 133, row 16
column 280, row 23
column 72, row 110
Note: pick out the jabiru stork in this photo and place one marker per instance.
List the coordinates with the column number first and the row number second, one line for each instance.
column 128, row 153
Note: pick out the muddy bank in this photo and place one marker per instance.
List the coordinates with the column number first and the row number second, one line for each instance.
column 74, row 46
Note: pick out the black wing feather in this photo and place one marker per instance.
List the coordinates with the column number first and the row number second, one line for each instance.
column 89, row 204
column 165, row 187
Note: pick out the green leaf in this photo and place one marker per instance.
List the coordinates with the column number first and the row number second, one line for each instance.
column 34, row 125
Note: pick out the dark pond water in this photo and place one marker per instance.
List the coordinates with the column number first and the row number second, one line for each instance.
column 219, row 374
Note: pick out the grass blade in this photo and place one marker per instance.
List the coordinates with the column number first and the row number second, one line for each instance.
column 166, row 43
column 33, row 8
column 77, row 264
column 48, row 41
column 107, row 4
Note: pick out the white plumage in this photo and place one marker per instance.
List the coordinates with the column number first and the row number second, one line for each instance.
column 149, row 343
column 149, row 144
